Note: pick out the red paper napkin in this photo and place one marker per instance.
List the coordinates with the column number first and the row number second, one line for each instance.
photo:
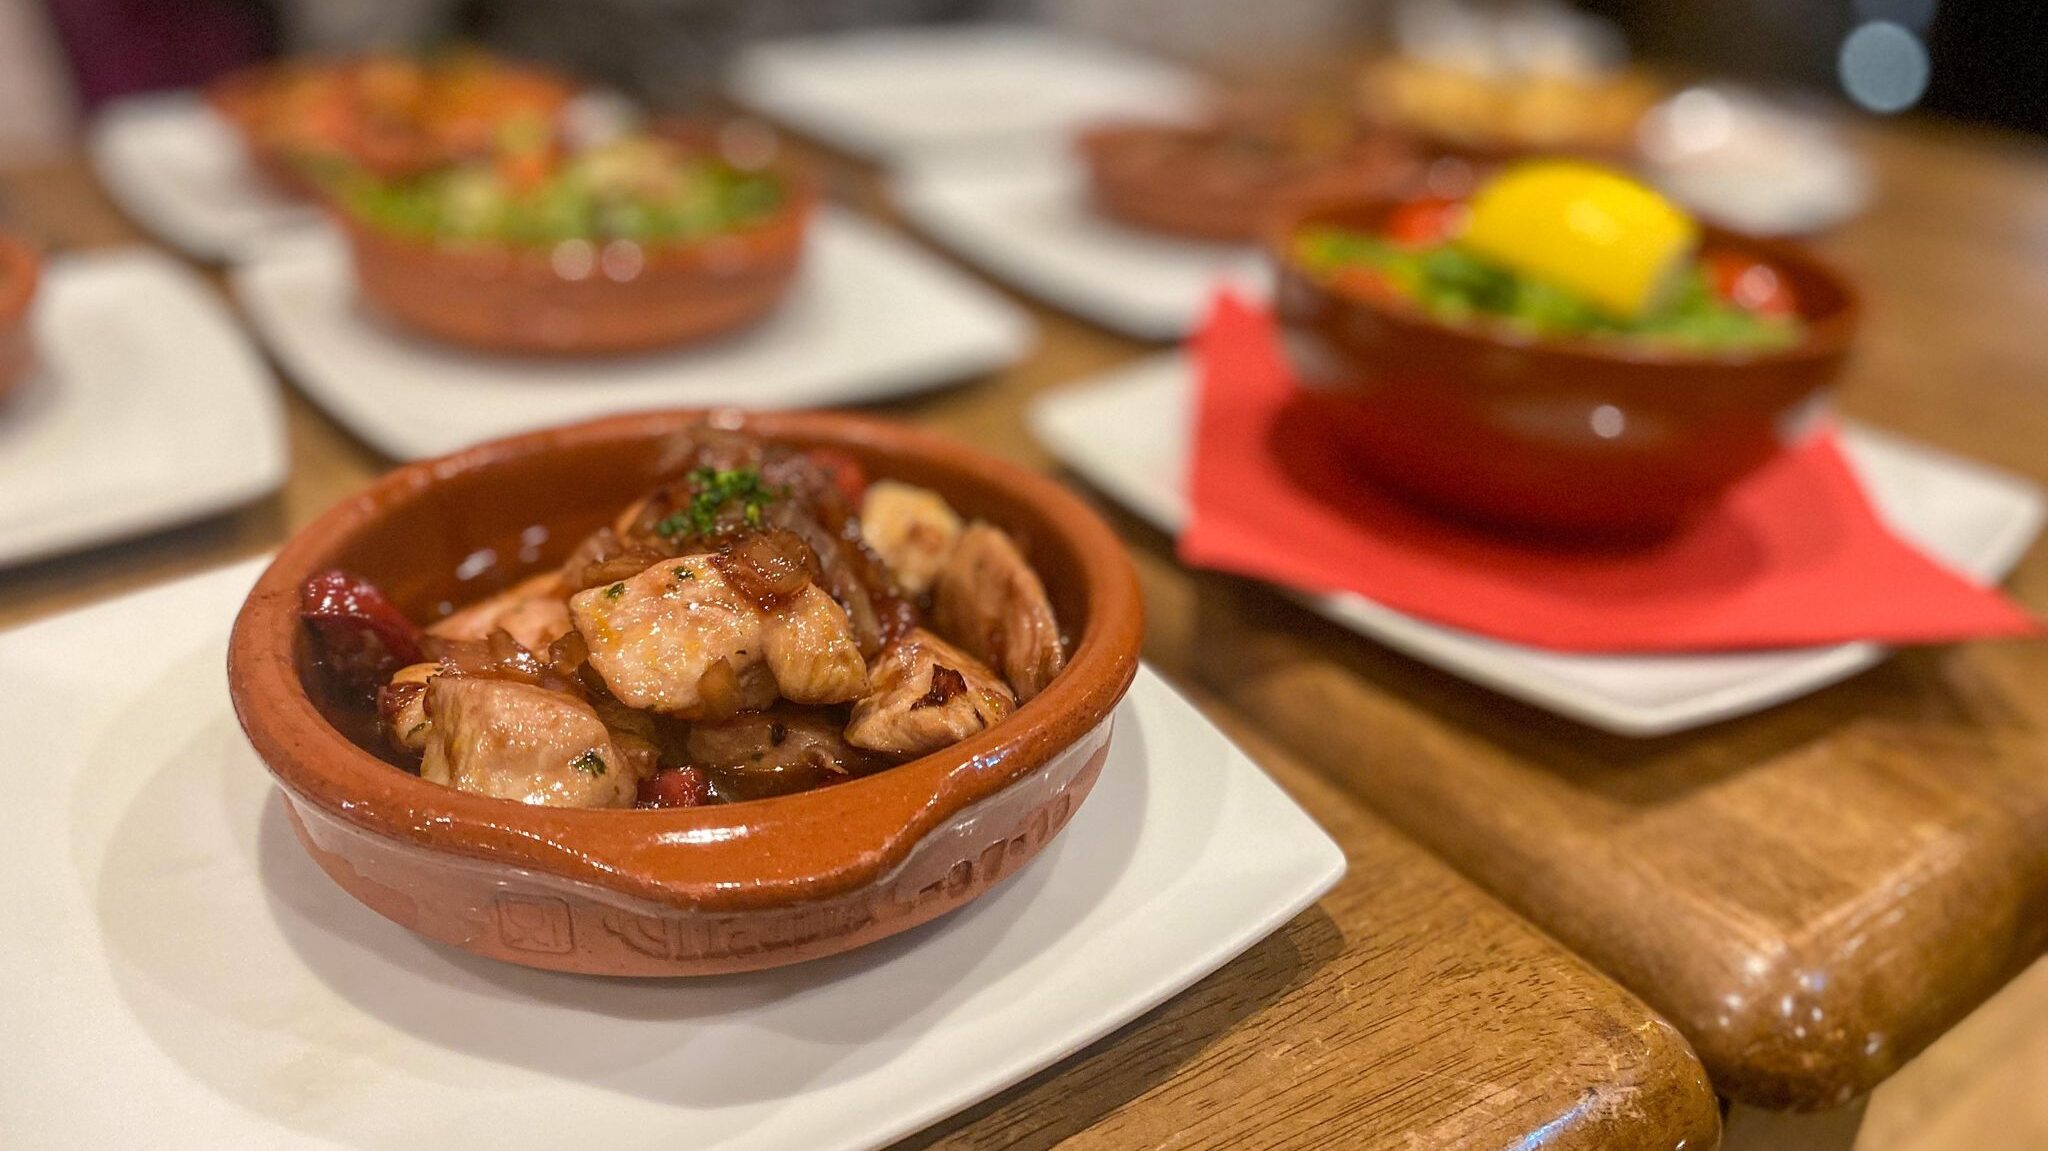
column 1793, row 555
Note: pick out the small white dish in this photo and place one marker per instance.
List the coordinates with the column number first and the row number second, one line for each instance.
column 1023, row 214
column 888, row 93
column 178, row 169
column 1127, row 433
column 1753, row 164
column 199, row 983
column 870, row 317
column 146, row 408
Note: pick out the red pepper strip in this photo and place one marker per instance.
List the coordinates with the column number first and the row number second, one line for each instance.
column 1749, row 284
column 362, row 638
column 1420, row 223
column 845, row 472
column 675, row 787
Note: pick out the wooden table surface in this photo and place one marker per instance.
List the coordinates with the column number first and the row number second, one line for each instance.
column 1408, row 1009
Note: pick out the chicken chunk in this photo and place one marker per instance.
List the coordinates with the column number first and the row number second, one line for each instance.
column 517, row 741
column 809, row 646
column 987, row 599
column 927, row 694
column 913, row 529
column 680, row 639
column 534, row 611
column 653, row 638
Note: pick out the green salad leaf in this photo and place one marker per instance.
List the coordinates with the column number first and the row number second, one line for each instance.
column 634, row 190
column 1455, row 287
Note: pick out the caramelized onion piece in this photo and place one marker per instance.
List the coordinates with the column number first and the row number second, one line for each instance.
column 768, row 567
column 783, row 750
column 612, row 569
column 497, row 657
column 568, row 655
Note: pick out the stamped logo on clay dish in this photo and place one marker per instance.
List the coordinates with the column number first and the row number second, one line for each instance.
column 680, row 937
column 535, row 923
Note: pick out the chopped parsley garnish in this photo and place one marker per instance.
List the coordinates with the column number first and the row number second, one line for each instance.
column 712, row 491
column 682, row 573
column 590, row 763
column 615, row 591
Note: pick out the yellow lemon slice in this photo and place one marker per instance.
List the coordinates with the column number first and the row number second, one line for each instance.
column 1583, row 228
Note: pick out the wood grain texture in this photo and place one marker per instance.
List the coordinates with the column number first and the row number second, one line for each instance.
column 1816, row 893
column 1370, row 1022
column 1978, row 1088
column 1407, row 1010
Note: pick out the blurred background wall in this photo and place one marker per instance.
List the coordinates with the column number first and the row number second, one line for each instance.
column 1983, row 60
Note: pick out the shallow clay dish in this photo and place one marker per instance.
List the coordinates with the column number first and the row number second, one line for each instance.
column 576, row 299
column 688, row 891
column 20, row 269
column 1585, row 437
column 1219, row 181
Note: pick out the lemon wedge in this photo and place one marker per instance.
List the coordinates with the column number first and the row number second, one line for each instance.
column 1582, row 228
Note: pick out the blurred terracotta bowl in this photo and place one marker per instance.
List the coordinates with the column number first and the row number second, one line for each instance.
column 20, row 271
column 277, row 110
column 1586, row 437
column 688, row 891
column 579, row 298
column 1219, row 181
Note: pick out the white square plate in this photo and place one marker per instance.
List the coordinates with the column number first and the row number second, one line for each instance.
column 886, row 93
column 183, row 976
column 1128, row 433
column 178, row 169
column 147, row 407
column 1023, row 214
column 869, row 317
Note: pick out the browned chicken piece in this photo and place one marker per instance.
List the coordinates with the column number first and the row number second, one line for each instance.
column 534, row 611
column 913, row 529
column 809, row 646
column 927, row 694
column 406, row 716
column 771, row 488
column 517, row 741
column 680, row 639
column 776, row 752
column 988, row 600
column 654, row 637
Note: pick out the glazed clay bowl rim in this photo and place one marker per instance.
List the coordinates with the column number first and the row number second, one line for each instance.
column 1097, row 144
column 762, row 236
column 21, row 271
column 730, row 857
column 1825, row 335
